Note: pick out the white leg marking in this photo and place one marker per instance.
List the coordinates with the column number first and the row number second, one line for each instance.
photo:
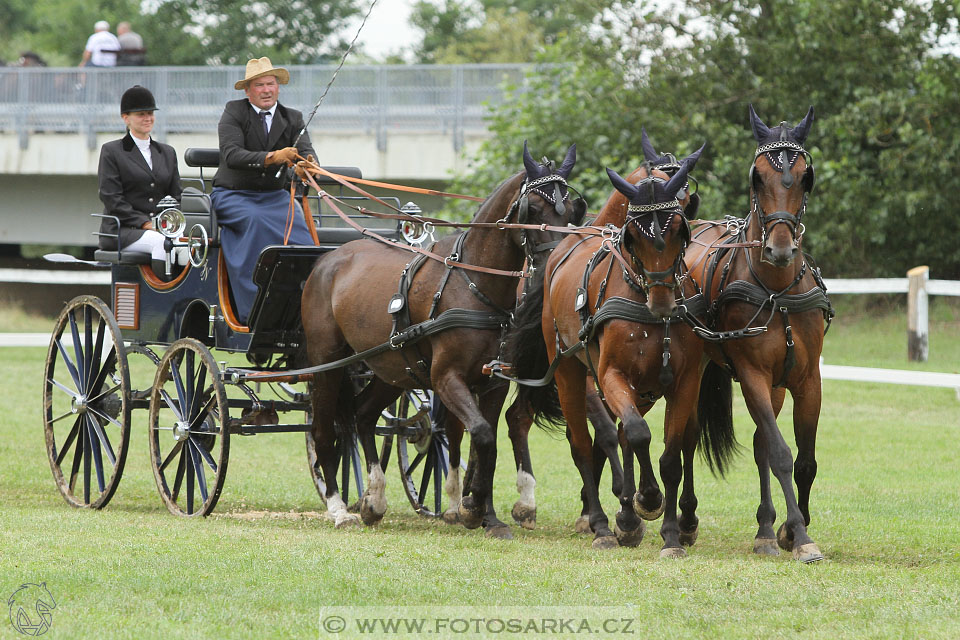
column 453, row 489
column 376, row 485
column 526, row 484
column 337, row 511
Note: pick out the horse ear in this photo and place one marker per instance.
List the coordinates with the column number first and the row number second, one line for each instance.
column 571, row 159
column 649, row 153
column 622, row 185
column 680, row 177
column 533, row 169
column 801, row 131
column 760, row 131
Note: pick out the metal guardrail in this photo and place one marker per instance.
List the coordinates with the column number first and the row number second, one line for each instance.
column 451, row 99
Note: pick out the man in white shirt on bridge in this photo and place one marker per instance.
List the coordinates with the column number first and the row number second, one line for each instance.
column 102, row 47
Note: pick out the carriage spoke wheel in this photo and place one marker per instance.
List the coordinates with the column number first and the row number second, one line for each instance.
column 86, row 403
column 189, row 439
column 423, row 454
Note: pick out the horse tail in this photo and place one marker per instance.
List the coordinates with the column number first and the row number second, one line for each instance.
column 715, row 412
column 345, row 418
column 527, row 352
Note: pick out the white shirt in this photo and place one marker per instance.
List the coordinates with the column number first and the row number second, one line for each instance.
column 98, row 45
column 270, row 113
column 144, row 146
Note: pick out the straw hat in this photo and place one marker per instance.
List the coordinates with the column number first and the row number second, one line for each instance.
column 258, row 67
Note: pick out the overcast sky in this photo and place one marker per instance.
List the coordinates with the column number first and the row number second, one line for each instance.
column 388, row 27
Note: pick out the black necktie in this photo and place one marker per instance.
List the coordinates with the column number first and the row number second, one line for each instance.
column 263, row 120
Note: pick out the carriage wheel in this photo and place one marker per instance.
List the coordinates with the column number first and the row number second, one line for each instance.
column 423, row 454
column 189, row 438
column 86, row 403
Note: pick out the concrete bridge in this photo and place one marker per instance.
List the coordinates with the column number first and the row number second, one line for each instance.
column 414, row 124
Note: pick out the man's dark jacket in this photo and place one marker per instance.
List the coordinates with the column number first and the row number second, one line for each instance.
column 243, row 148
column 130, row 190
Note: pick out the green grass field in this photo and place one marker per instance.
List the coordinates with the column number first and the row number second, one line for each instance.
column 885, row 512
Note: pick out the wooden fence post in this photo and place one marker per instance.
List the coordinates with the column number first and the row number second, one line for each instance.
column 918, row 332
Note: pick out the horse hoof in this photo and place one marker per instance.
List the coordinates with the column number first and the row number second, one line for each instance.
column 687, row 538
column 470, row 518
column 605, row 542
column 647, row 514
column 369, row 514
column 673, row 552
column 450, row 516
column 784, row 538
column 807, row 553
column 524, row 516
column 346, row 520
column 630, row 538
column 500, row 532
column 582, row 525
column 765, row 547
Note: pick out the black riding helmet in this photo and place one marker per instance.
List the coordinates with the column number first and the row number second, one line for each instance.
column 137, row 98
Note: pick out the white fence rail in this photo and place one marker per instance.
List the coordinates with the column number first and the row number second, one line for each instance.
column 889, row 285
column 827, row 372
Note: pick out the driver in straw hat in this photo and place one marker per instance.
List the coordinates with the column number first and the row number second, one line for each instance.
column 257, row 136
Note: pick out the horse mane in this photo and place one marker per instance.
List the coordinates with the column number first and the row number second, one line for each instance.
column 494, row 195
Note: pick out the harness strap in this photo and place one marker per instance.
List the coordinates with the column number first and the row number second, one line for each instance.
column 449, row 319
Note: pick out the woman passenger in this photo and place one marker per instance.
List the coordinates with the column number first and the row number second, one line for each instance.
column 135, row 173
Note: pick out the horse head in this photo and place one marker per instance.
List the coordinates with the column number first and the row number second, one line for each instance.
column 544, row 198
column 781, row 177
column 656, row 232
column 667, row 162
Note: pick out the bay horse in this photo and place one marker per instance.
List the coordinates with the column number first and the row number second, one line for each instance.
column 519, row 416
column 767, row 308
column 610, row 303
column 345, row 310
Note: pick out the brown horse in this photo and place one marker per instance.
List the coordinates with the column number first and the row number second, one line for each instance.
column 345, row 310
column 767, row 308
column 595, row 300
column 519, row 417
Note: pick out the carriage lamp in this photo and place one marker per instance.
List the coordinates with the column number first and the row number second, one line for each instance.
column 171, row 222
column 413, row 232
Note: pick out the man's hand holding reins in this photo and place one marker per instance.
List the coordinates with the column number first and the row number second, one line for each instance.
column 287, row 156
column 302, row 168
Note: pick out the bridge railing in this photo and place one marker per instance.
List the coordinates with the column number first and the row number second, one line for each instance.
column 451, row 99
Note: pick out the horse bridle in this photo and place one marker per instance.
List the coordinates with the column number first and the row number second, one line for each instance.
column 668, row 277
column 779, row 154
column 521, row 206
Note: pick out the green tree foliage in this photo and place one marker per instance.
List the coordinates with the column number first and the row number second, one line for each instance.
column 463, row 31
column 885, row 142
column 233, row 31
column 181, row 32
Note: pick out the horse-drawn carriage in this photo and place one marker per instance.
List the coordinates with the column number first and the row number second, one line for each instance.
column 762, row 319
column 175, row 322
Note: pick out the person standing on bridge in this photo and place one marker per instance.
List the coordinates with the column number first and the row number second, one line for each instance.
column 101, row 48
column 257, row 137
column 135, row 173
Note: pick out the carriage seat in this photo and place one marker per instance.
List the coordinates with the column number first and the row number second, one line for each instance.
column 197, row 209
column 121, row 257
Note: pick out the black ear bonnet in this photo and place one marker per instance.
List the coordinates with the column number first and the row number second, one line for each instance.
column 653, row 201
column 551, row 185
column 781, row 146
column 668, row 163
